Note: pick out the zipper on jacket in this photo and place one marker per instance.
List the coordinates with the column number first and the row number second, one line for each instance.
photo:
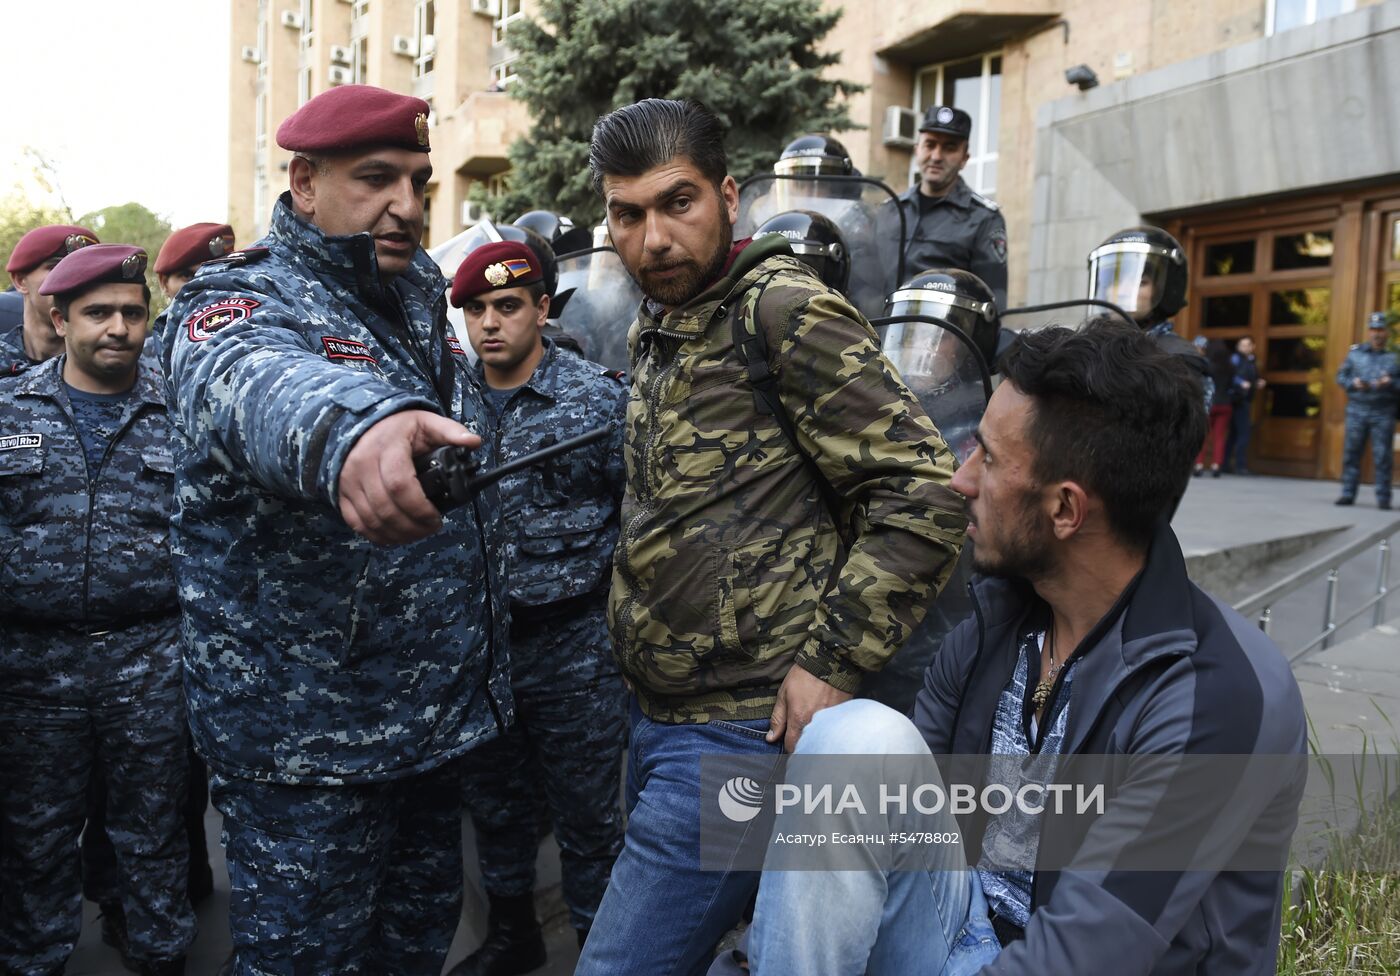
column 92, row 477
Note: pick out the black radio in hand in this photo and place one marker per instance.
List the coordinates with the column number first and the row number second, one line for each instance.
column 451, row 476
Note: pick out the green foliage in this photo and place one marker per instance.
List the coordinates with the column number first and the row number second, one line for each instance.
column 19, row 215
column 755, row 63
column 131, row 223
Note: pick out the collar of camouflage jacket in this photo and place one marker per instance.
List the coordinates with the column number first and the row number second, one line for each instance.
column 46, row 380
column 692, row 318
column 349, row 259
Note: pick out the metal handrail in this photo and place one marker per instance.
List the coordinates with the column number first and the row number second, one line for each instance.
column 1262, row 603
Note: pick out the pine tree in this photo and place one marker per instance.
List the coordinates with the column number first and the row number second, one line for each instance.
column 755, row 63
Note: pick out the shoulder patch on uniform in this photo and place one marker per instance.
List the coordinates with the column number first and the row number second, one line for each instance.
column 455, row 345
column 999, row 247
column 979, row 198
column 347, row 349
column 21, row 442
column 204, row 323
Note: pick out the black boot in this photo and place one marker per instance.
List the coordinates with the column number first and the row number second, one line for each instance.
column 514, row 943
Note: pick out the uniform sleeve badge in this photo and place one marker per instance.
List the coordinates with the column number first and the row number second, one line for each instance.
column 208, row 320
column 999, row 247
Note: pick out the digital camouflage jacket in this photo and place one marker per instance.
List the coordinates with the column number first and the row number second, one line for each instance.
column 84, row 553
column 729, row 568
column 311, row 655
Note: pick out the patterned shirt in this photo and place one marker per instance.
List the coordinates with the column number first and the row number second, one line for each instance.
column 99, row 418
column 1014, row 835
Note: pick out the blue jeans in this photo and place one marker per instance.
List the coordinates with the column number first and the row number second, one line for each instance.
column 882, row 923
column 662, row 915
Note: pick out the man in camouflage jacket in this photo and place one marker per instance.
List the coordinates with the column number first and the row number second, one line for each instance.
column 343, row 642
column 89, row 652
column 736, row 610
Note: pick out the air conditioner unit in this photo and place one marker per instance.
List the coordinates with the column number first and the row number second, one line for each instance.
column 340, row 54
column 486, row 8
column 292, row 19
column 249, row 53
column 429, row 44
column 472, row 213
column 340, row 75
column 404, row 46
column 901, row 127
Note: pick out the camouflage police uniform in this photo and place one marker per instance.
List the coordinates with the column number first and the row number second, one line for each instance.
column 89, row 671
column 13, row 359
column 330, row 680
column 1370, row 414
column 561, row 520
column 961, row 229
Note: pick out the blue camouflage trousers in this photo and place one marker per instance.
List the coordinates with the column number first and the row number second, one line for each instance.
column 334, row 880
column 48, row 755
column 560, row 762
column 1378, row 425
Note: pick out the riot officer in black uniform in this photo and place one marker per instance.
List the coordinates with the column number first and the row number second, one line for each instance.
column 816, row 242
column 947, row 363
column 1142, row 270
column 947, row 224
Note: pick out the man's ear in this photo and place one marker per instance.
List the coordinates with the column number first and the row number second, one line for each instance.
column 729, row 190
column 21, row 283
column 56, row 317
column 543, row 311
column 1069, row 508
column 302, row 175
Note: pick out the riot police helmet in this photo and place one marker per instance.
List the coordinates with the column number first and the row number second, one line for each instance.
column 815, row 155
column 1142, row 270
column 816, row 242
column 561, row 232
column 954, row 296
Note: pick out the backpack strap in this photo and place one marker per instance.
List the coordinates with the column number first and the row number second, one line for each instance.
column 751, row 345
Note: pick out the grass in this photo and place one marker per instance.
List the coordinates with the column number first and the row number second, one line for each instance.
column 1346, row 916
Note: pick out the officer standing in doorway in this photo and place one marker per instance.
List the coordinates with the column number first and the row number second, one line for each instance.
column 1371, row 376
column 950, row 226
column 562, row 521
column 90, row 660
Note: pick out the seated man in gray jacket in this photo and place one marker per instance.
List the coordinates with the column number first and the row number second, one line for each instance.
column 1088, row 640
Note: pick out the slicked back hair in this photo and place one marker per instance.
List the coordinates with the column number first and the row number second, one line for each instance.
column 644, row 135
column 1114, row 413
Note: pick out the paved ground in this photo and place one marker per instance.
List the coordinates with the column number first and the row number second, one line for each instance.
column 1238, row 533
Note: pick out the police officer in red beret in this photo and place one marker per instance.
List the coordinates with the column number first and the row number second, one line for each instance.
column 188, row 248
column 345, row 641
column 90, row 660
column 37, row 253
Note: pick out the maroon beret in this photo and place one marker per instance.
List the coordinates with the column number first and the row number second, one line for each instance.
column 353, row 116
column 506, row 264
column 43, row 243
column 191, row 246
column 96, row 265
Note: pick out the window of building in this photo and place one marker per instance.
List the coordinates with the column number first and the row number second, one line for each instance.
column 260, row 122
column 308, row 13
column 498, row 183
column 359, row 61
column 423, row 26
column 260, row 197
column 358, row 9
column 1285, row 15
column 503, row 72
column 264, row 13
column 304, row 85
column 511, row 11
column 973, row 85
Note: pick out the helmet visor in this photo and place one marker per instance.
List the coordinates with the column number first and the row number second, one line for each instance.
column 1134, row 280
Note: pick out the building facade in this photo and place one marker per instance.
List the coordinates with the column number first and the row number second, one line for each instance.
column 1264, row 133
